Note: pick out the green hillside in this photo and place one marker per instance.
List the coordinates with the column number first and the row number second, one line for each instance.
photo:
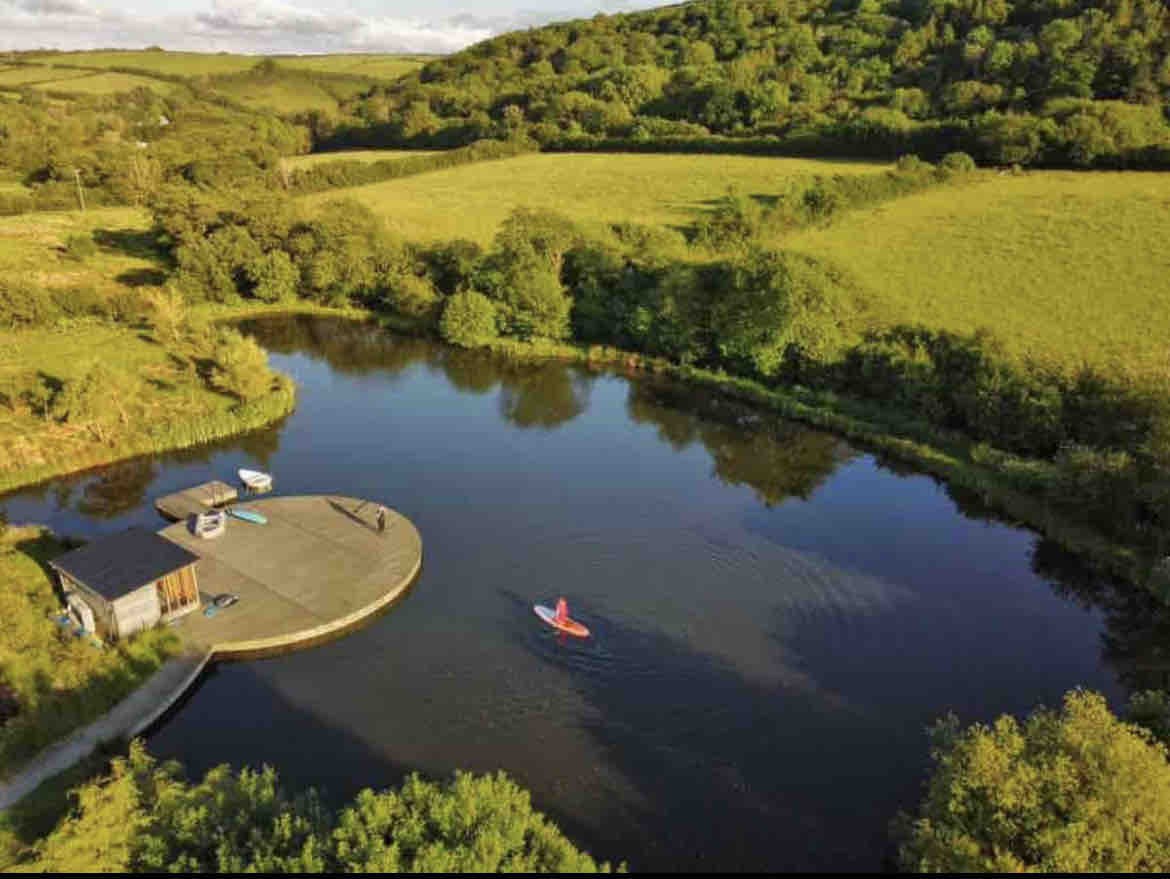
column 287, row 84
column 1028, row 81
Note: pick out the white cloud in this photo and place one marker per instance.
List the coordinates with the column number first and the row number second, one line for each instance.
column 261, row 26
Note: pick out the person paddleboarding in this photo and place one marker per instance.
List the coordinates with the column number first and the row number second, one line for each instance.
column 560, row 620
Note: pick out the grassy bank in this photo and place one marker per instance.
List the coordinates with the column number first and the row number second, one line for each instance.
column 165, row 396
column 54, row 682
column 172, row 408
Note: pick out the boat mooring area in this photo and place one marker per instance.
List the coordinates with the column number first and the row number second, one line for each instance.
column 319, row 565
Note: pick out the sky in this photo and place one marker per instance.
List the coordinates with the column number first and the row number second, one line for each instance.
column 282, row 26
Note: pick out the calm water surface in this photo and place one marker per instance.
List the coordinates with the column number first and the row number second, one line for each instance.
column 777, row 615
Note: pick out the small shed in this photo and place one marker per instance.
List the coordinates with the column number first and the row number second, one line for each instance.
column 128, row 582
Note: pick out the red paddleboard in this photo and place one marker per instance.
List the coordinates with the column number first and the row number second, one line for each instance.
column 566, row 625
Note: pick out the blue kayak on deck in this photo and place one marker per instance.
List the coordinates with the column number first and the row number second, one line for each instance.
column 247, row 515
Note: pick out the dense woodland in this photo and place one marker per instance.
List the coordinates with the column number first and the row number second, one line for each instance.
column 1009, row 81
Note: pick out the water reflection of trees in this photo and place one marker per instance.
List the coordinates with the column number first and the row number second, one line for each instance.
column 544, row 395
column 777, row 459
column 1136, row 638
column 117, row 489
column 352, row 347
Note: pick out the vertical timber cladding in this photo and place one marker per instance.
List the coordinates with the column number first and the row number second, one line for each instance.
column 136, row 611
column 178, row 593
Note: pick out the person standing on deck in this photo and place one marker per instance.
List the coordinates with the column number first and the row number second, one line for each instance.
column 381, row 518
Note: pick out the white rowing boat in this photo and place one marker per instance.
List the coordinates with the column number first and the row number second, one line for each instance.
column 255, row 480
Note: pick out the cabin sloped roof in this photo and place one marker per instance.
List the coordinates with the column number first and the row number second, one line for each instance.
column 121, row 563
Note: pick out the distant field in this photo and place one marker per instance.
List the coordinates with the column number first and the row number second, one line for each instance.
column 471, row 201
column 1070, row 267
column 373, row 66
column 288, row 94
column 105, row 84
column 17, row 76
column 300, row 162
column 170, row 63
column 206, row 64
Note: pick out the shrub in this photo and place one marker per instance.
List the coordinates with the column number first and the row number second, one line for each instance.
column 26, row 304
column 12, row 203
column 734, row 223
column 273, row 276
column 100, row 400
column 241, row 366
column 413, row 296
column 452, row 264
column 168, row 312
column 80, row 247
column 79, row 301
column 956, row 164
column 469, row 320
column 129, row 306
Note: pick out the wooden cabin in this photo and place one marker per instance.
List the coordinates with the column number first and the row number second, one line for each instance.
column 128, row 582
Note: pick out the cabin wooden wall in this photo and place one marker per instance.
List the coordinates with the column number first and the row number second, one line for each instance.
column 137, row 611
column 178, row 593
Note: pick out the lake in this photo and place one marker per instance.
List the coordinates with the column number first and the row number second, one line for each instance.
column 777, row 615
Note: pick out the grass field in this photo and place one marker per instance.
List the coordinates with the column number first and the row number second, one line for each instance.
column 595, row 190
column 383, row 67
column 169, row 63
column 32, row 247
column 301, row 162
column 34, row 75
column 1067, row 267
column 104, row 84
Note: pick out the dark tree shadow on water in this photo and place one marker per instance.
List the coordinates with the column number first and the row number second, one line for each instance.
column 729, row 774
column 234, row 715
column 306, row 750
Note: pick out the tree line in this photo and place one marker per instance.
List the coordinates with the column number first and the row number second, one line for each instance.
column 145, row 817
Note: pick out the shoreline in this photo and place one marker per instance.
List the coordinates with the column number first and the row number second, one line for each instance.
column 950, row 458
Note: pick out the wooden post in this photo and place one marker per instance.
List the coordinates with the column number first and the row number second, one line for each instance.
column 80, row 191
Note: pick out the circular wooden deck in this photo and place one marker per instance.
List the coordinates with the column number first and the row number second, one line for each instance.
column 319, row 567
